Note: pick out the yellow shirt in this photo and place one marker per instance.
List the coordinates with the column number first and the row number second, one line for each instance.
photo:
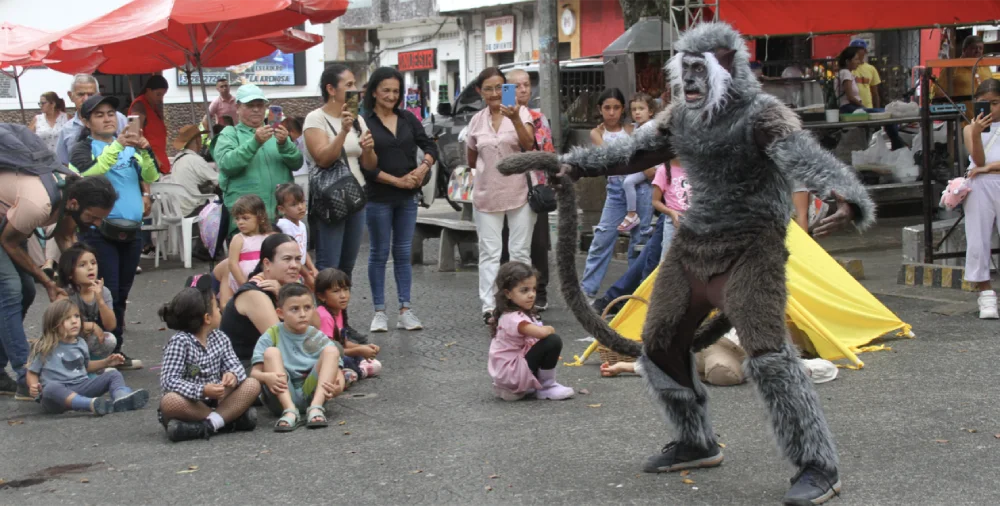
column 959, row 82
column 866, row 76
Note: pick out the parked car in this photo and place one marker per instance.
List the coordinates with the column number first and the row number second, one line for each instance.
column 581, row 81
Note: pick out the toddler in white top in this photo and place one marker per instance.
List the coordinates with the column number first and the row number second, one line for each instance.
column 292, row 208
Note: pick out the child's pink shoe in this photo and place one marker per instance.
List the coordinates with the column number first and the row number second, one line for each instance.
column 630, row 222
column 350, row 377
column 370, row 367
column 550, row 389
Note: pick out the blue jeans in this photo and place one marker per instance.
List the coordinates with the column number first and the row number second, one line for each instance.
column 17, row 292
column 391, row 224
column 337, row 244
column 116, row 263
column 639, row 270
column 606, row 234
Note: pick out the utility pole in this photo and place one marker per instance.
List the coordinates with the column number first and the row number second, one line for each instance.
column 548, row 67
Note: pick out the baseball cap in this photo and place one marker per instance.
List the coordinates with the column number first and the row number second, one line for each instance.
column 187, row 133
column 248, row 93
column 859, row 43
column 91, row 103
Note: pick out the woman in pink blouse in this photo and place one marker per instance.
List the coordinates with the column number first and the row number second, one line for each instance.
column 495, row 133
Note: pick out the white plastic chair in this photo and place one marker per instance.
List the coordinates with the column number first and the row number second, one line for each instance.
column 167, row 212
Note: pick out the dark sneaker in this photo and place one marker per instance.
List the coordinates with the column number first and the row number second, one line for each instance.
column 178, row 431
column 130, row 364
column 353, row 335
column 600, row 303
column 131, row 401
column 812, row 486
column 541, row 305
column 676, row 456
column 22, row 393
column 246, row 422
column 7, row 384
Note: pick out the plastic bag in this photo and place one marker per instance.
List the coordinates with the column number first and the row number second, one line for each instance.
column 210, row 221
column 900, row 109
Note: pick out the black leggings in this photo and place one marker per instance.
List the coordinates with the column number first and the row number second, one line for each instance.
column 544, row 354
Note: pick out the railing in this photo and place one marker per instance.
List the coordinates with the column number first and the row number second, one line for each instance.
column 579, row 89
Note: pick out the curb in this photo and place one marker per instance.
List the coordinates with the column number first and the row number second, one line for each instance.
column 854, row 266
column 934, row 276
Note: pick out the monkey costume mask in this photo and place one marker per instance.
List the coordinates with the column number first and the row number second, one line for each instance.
column 741, row 148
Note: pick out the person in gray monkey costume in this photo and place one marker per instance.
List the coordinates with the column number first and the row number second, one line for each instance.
column 741, row 148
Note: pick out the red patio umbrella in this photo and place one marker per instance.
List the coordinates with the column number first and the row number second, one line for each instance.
column 16, row 45
column 191, row 33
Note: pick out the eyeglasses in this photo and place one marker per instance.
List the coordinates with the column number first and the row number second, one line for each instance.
column 42, row 104
column 491, row 91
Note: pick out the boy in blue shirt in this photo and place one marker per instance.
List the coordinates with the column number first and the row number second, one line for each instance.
column 297, row 363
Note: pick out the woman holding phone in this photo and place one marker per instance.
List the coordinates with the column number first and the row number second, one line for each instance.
column 982, row 206
column 334, row 134
column 495, row 133
column 393, row 192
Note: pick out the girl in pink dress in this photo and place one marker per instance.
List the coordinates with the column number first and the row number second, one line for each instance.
column 250, row 214
column 523, row 353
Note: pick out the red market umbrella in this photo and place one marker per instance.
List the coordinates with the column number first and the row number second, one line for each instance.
column 191, row 33
column 233, row 53
column 16, row 45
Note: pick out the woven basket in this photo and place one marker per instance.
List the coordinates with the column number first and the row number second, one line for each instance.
column 607, row 355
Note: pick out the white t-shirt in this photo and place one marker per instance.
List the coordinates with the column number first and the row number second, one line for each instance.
column 844, row 93
column 352, row 146
column 298, row 232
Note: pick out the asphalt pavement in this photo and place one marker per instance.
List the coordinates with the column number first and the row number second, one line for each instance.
column 917, row 425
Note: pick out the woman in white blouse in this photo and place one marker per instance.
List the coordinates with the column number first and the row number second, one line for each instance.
column 50, row 122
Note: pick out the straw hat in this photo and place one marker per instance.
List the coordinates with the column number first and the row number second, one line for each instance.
column 187, row 133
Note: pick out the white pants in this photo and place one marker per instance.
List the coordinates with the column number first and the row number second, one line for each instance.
column 982, row 208
column 489, row 227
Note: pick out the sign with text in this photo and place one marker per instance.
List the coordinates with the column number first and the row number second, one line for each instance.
column 276, row 69
column 7, row 87
column 425, row 59
column 499, row 35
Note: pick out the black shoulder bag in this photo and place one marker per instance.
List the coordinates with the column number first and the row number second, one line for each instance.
column 334, row 191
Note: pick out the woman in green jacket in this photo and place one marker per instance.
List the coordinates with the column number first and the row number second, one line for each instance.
column 254, row 158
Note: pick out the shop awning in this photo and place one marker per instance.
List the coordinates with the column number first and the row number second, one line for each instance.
column 793, row 17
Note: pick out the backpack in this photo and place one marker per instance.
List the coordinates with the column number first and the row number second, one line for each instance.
column 24, row 152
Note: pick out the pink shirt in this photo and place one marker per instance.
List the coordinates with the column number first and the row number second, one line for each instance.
column 506, row 365
column 329, row 323
column 493, row 192
column 676, row 192
column 220, row 108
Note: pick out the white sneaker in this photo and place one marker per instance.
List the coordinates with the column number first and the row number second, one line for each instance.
column 380, row 323
column 407, row 320
column 988, row 305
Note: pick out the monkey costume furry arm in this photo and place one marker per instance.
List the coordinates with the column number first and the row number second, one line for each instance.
column 647, row 147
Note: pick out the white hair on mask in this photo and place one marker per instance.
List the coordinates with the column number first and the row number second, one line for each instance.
column 675, row 75
column 718, row 85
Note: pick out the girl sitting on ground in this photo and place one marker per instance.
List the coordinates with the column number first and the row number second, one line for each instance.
column 60, row 361
column 78, row 276
column 298, row 366
column 643, row 109
column 523, row 353
column 333, row 290
column 250, row 215
column 292, row 209
column 205, row 388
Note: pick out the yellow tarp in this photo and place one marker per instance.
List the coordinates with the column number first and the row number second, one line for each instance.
column 836, row 313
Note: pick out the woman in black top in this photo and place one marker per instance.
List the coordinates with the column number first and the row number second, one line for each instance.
column 251, row 311
column 392, row 192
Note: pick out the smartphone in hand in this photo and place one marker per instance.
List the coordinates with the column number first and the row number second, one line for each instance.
column 984, row 109
column 276, row 110
column 352, row 102
column 133, row 127
column 509, row 98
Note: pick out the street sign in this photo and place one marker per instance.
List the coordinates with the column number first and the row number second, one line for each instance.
column 425, row 59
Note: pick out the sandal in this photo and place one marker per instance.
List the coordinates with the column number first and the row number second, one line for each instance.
column 487, row 318
column 628, row 223
column 316, row 412
column 291, row 418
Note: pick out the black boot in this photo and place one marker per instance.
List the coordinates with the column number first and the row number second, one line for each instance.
column 353, row 335
column 246, row 422
column 178, row 431
column 812, row 485
column 676, row 456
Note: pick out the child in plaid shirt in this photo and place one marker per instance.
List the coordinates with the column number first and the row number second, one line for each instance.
column 205, row 388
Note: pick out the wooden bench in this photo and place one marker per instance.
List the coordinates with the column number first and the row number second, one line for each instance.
column 453, row 234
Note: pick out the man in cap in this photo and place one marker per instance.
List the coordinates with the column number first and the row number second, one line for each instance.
column 83, row 87
column 253, row 157
column 190, row 170
column 866, row 75
column 149, row 107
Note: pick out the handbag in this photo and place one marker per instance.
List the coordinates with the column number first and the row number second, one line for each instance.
column 334, row 191
column 958, row 189
column 541, row 198
column 461, row 184
column 119, row 230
